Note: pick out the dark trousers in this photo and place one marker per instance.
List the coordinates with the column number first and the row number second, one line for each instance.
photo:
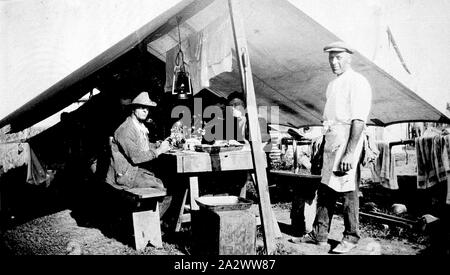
column 326, row 205
column 303, row 204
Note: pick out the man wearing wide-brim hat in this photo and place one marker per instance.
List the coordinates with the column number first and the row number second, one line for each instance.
column 349, row 99
column 131, row 149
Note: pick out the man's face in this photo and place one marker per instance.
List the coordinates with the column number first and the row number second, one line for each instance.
column 238, row 107
column 141, row 113
column 339, row 62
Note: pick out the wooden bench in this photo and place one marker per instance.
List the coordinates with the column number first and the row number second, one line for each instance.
column 145, row 214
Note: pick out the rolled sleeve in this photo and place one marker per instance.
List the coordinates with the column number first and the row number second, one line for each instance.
column 360, row 99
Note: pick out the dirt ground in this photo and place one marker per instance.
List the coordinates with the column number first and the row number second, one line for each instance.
column 60, row 234
column 376, row 239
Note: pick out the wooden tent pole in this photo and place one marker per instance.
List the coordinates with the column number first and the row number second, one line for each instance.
column 255, row 134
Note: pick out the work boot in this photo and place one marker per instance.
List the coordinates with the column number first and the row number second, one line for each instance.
column 308, row 238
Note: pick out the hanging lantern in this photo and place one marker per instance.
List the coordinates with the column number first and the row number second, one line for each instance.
column 181, row 84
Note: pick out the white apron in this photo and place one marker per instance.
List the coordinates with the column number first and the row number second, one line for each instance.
column 336, row 138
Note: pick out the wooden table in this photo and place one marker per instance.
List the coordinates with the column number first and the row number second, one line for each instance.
column 194, row 164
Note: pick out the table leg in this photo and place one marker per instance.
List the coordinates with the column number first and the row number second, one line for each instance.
column 294, row 149
column 193, row 191
column 181, row 213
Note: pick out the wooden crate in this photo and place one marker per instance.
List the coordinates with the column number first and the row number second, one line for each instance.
column 224, row 232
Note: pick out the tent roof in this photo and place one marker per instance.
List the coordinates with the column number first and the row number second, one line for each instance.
column 289, row 67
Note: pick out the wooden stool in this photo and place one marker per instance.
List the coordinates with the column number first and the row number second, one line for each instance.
column 145, row 214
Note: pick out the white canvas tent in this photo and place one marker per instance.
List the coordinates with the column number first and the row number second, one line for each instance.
column 419, row 28
column 285, row 48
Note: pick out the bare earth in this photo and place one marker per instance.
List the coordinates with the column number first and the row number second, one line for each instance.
column 59, row 234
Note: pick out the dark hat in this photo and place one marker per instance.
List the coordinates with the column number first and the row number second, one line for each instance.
column 234, row 95
column 143, row 100
column 338, row 46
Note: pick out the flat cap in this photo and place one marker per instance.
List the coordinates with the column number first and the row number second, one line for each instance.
column 338, row 46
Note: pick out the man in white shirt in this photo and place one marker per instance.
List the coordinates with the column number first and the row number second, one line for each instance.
column 349, row 98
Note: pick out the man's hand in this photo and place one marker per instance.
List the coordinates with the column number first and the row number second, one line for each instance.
column 346, row 162
column 164, row 147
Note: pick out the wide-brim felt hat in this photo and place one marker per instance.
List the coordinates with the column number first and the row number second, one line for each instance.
column 143, row 100
column 338, row 46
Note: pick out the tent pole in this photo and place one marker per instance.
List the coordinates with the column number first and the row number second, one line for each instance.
column 258, row 157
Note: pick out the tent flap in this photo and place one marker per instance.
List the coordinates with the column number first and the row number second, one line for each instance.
column 290, row 70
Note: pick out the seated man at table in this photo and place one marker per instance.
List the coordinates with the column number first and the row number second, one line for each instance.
column 239, row 135
column 238, row 124
column 131, row 150
column 238, row 107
